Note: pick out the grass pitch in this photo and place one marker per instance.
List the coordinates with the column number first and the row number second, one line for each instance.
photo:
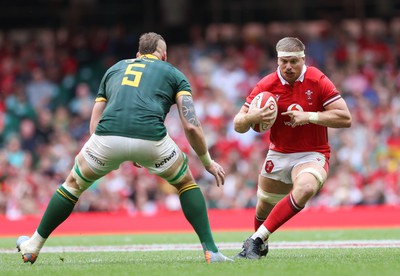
column 335, row 252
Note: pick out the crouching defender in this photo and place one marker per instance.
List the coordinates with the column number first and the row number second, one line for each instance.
column 127, row 124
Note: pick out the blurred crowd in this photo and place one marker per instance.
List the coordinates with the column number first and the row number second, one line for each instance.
column 49, row 79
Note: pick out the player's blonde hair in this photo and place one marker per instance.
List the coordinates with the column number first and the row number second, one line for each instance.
column 290, row 44
column 148, row 42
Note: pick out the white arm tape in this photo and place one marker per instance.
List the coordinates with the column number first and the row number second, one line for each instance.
column 205, row 159
column 313, row 117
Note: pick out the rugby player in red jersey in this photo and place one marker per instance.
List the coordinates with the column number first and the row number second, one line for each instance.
column 296, row 164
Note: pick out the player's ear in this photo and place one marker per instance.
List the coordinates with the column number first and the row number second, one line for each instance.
column 164, row 56
column 137, row 54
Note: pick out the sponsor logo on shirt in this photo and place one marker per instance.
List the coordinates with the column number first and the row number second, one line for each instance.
column 292, row 107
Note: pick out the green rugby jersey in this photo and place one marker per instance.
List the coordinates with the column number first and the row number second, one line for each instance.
column 139, row 94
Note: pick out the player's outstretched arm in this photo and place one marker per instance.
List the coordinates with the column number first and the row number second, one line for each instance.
column 195, row 135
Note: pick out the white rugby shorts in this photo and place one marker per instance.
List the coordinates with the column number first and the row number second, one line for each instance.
column 106, row 153
column 279, row 166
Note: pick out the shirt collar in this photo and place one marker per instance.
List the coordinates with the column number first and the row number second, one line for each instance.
column 148, row 56
column 300, row 78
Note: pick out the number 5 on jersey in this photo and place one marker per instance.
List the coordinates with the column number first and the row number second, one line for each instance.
column 137, row 75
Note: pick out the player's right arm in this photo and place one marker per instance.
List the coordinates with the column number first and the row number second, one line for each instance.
column 247, row 117
column 97, row 111
column 100, row 104
column 241, row 122
column 195, row 135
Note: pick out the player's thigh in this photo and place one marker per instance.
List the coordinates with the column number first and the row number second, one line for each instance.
column 179, row 174
column 167, row 161
column 102, row 154
column 270, row 185
column 86, row 170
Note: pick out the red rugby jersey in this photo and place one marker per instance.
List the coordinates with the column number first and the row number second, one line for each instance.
column 312, row 92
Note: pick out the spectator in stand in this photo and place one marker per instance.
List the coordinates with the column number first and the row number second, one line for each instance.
column 40, row 91
column 18, row 108
column 28, row 135
column 82, row 104
column 228, row 77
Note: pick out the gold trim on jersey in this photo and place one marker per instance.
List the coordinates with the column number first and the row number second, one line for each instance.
column 100, row 99
column 182, row 93
column 148, row 56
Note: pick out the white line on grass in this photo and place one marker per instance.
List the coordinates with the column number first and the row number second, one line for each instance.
column 222, row 246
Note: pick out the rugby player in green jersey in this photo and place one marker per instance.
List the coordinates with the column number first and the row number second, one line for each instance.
column 127, row 124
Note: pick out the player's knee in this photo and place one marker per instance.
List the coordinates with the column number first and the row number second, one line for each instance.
column 270, row 198
column 76, row 182
column 318, row 176
column 180, row 172
column 304, row 192
column 82, row 182
column 70, row 182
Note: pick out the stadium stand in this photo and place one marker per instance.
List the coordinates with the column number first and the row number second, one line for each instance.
column 49, row 76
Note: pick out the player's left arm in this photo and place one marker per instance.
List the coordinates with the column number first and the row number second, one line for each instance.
column 335, row 115
column 195, row 135
column 190, row 123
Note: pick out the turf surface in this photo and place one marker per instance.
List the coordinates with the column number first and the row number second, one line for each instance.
column 324, row 261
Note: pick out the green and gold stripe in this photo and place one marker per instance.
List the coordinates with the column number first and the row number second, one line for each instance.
column 187, row 188
column 64, row 193
column 182, row 170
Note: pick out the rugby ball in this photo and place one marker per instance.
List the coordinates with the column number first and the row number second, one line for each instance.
column 261, row 100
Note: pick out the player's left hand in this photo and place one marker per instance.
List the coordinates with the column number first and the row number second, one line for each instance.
column 297, row 118
column 219, row 173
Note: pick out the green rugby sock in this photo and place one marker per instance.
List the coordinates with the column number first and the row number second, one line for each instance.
column 58, row 210
column 195, row 211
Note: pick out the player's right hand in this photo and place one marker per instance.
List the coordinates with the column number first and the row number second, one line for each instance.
column 259, row 115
